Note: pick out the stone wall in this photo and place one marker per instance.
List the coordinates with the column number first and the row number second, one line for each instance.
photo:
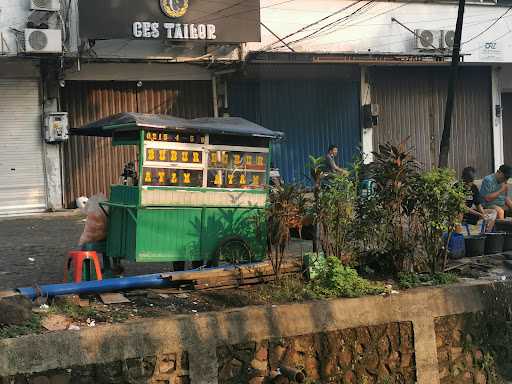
column 169, row 368
column 474, row 348
column 377, row 354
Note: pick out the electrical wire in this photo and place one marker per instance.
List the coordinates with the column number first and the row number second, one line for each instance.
column 489, row 27
column 319, row 21
column 333, row 24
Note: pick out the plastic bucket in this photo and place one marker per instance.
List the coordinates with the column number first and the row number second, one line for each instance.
column 494, row 243
column 475, row 246
column 456, row 247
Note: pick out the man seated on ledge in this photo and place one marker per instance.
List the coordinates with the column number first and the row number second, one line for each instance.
column 494, row 191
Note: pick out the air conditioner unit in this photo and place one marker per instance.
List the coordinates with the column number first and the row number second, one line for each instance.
column 428, row 39
column 45, row 5
column 448, row 39
column 43, row 41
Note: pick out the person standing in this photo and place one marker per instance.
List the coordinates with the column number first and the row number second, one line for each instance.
column 494, row 191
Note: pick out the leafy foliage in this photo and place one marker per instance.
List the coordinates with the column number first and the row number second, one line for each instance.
column 286, row 210
column 333, row 279
column 440, row 203
column 387, row 215
column 30, row 327
column 411, row 280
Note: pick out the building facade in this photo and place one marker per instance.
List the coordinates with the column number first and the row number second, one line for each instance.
column 316, row 71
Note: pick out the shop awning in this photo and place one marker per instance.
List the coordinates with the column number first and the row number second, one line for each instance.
column 126, row 122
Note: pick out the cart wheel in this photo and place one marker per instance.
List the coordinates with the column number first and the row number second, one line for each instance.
column 233, row 250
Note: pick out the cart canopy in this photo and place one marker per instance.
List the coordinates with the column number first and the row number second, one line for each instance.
column 130, row 122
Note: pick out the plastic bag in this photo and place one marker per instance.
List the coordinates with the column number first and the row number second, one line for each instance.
column 96, row 223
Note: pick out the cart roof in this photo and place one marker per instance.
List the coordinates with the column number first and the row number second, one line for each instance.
column 126, row 122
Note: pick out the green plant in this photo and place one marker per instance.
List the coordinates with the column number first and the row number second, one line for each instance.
column 30, row 327
column 285, row 211
column 72, row 311
column 386, row 216
column 408, row 280
column 333, row 279
column 336, row 217
column 285, row 290
column 440, row 203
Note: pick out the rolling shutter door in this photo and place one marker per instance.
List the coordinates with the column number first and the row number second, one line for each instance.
column 22, row 181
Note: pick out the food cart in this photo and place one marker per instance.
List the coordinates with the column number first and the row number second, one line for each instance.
column 195, row 193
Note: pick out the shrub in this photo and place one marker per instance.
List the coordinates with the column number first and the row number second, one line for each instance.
column 333, row 279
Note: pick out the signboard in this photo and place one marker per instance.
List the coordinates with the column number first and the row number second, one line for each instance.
column 227, row 21
column 490, row 51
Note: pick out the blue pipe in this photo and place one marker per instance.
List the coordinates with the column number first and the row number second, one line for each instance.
column 96, row 286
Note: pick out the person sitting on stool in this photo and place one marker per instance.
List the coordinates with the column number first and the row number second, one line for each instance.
column 494, row 191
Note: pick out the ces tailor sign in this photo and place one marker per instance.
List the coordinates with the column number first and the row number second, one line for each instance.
column 227, row 21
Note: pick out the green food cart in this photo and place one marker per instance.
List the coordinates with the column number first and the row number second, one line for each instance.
column 198, row 191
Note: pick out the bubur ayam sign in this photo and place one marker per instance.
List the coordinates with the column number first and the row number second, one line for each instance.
column 227, row 21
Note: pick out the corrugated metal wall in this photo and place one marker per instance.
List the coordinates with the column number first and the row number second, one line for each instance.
column 506, row 102
column 412, row 103
column 92, row 164
column 312, row 113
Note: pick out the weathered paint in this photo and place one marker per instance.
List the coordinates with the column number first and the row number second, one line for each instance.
column 92, row 164
column 412, row 102
column 313, row 113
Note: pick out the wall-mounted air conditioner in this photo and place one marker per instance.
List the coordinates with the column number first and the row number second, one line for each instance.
column 429, row 39
column 45, row 5
column 448, row 38
column 43, row 41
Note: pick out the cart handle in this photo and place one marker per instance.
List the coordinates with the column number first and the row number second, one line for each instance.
column 117, row 205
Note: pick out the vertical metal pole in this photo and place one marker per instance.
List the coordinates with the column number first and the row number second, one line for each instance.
column 444, row 147
column 214, row 90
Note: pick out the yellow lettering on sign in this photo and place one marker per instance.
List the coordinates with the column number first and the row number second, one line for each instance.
column 213, row 157
column 195, row 157
column 218, row 179
column 161, row 177
column 259, row 160
column 153, row 136
column 177, row 138
column 166, row 137
column 225, row 158
column 256, row 180
column 151, row 154
column 148, row 178
column 242, row 179
column 161, row 154
column 237, row 159
column 202, row 139
column 192, row 138
column 174, row 178
column 148, row 136
column 184, row 157
column 230, row 179
column 186, row 178
column 248, row 159
column 174, row 155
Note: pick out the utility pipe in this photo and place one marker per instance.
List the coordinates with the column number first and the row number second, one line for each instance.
column 96, row 286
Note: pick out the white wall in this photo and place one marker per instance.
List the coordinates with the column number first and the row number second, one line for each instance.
column 373, row 29
column 13, row 14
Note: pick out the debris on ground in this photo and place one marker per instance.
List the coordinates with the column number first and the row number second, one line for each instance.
column 113, row 298
column 56, row 322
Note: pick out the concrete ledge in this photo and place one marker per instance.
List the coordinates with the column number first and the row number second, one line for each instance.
column 201, row 334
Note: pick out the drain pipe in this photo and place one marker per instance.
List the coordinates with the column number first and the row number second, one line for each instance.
column 96, row 286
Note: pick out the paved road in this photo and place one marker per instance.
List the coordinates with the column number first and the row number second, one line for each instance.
column 46, row 239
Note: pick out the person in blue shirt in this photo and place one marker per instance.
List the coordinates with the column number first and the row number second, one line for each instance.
column 494, row 191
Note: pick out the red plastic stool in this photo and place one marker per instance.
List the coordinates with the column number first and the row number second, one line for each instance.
column 76, row 260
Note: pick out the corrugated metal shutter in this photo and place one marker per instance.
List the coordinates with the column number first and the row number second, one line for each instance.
column 93, row 164
column 506, row 102
column 312, row 113
column 412, row 102
column 22, row 181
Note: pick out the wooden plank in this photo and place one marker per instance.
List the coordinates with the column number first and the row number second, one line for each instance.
column 113, row 298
